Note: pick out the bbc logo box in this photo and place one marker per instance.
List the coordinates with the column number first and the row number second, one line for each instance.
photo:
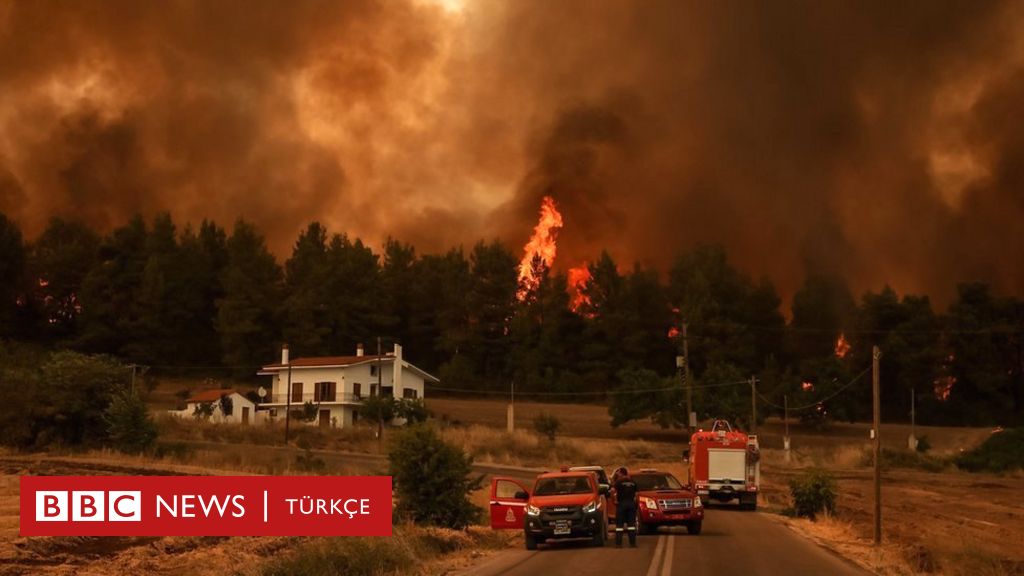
column 88, row 506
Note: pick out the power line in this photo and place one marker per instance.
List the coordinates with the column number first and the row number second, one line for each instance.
column 820, row 400
column 590, row 393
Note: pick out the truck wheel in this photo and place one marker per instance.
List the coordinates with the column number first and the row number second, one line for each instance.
column 694, row 527
column 531, row 542
column 600, row 534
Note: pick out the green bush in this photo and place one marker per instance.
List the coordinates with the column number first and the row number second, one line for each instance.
column 58, row 398
column 432, row 479
column 1001, row 452
column 413, row 410
column 547, row 425
column 813, row 492
column 129, row 427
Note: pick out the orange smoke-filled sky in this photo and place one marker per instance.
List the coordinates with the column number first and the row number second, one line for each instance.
column 881, row 141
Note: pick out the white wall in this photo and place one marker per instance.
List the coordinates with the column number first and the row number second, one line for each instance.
column 344, row 377
column 238, row 402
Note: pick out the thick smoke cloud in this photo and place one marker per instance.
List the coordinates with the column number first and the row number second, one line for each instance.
column 879, row 141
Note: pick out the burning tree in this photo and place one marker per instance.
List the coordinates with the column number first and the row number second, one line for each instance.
column 539, row 253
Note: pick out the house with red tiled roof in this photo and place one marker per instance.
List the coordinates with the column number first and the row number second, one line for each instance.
column 223, row 405
column 335, row 386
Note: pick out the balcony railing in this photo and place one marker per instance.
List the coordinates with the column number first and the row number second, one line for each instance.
column 314, row 398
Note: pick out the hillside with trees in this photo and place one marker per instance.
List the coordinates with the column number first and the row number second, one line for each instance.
column 211, row 301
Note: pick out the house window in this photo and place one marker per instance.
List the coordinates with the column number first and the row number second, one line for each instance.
column 373, row 369
column 410, row 393
column 357, row 391
column 296, row 391
column 373, row 390
column 325, row 392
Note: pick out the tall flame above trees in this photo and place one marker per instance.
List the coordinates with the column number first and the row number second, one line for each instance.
column 579, row 277
column 842, row 346
column 539, row 252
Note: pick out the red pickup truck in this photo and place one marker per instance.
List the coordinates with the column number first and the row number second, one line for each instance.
column 564, row 504
column 664, row 501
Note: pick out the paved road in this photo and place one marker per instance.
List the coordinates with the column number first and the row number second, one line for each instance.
column 732, row 542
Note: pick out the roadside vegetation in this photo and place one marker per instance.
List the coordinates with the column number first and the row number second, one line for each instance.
column 814, row 493
column 1002, row 452
column 408, row 550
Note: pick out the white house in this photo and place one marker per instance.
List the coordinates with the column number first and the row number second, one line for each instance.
column 336, row 385
column 240, row 410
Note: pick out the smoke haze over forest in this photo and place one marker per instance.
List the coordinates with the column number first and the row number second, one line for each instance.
column 880, row 141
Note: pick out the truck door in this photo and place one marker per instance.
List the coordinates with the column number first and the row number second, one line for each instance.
column 507, row 511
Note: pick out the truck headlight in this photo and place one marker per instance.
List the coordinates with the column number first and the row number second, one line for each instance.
column 532, row 510
column 649, row 503
column 592, row 507
column 696, row 502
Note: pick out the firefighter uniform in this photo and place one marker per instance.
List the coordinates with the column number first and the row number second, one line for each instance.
column 625, row 507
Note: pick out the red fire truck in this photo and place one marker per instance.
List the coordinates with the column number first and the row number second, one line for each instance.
column 724, row 465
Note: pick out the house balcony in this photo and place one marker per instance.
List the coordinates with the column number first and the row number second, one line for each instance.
column 321, row 399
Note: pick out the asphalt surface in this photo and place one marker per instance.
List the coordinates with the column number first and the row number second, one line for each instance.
column 732, row 542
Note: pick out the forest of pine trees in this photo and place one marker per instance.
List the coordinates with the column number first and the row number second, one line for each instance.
column 207, row 300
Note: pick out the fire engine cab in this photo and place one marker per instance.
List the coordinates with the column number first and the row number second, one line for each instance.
column 725, row 465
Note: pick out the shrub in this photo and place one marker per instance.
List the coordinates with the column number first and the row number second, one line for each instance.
column 413, row 410
column 309, row 411
column 813, row 492
column 129, row 427
column 923, row 445
column 203, row 411
column 309, row 462
column 1002, row 452
column 547, row 425
column 58, row 398
column 432, row 479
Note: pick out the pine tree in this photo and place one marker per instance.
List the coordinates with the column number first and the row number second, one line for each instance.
column 247, row 314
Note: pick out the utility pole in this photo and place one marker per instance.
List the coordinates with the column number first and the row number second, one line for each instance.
column 753, row 404
column 876, row 354
column 912, row 441
column 288, row 404
column 785, row 423
column 512, row 408
column 690, row 419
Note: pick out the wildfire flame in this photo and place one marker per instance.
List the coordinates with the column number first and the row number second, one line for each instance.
column 944, row 387
column 673, row 332
column 807, row 386
column 541, row 248
column 578, row 279
column 842, row 346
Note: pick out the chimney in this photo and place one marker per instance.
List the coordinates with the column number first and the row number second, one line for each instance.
column 397, row 371
column 284, row 355
column 359, row 349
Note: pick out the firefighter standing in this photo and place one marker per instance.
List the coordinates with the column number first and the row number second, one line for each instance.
column 625, row 507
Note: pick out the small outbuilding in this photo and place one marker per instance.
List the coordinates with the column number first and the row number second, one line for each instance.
column 220, row 405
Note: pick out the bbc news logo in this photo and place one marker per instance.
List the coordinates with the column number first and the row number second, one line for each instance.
column 205, row 506
column 89, row 506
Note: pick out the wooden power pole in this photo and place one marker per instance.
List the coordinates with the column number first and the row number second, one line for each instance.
column 753, row 404
column 689, row 382
column 876, row 354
